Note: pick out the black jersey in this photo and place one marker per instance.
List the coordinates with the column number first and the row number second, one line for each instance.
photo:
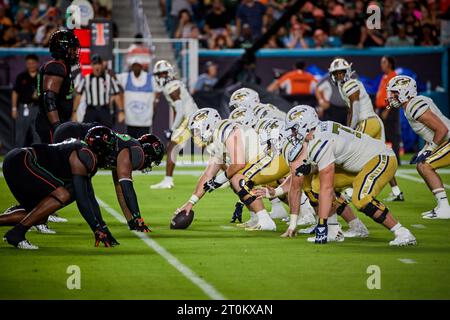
column 54, row 158
column 64, row 100
column 137, row 156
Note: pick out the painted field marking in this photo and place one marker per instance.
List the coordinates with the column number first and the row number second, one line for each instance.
column 418, row 226
column 407, row 261
column 207, row 288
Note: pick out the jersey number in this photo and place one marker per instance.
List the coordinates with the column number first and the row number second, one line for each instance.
column 337, row 128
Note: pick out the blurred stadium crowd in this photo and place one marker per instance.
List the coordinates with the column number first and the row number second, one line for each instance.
column 221, row 24
column 30, row 23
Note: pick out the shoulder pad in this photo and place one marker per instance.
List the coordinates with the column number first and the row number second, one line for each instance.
column 224, row 130
column 137, row 157
column 417, row 106
column 87, row 158
column 350, row 87
column 55, row 68
column 172, row 86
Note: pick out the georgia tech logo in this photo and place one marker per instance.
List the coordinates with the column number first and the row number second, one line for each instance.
column 240, row 96
column 296, row 115
column 239, row 114
column 201, row 116
column 402, row 83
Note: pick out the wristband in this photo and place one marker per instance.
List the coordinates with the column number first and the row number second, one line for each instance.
column 293, row 221
column 278, row 191
column 194, row 199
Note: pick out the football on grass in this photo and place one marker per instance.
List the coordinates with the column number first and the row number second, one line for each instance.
column 181, row 220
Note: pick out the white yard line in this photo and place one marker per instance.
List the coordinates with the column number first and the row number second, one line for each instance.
column 418, row 226
column 207, row 288
column 407, row 261
column 416, row 179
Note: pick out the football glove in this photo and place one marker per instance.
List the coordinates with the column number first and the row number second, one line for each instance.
column 140, row 225
column 423, row 156
column 321, row 233
column 237, row 214
column 101, row 236
column 303, row 170
column 168, row 134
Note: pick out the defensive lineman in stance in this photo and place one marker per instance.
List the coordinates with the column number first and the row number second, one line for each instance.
column 183, row 105
column 428, row 122
column 327, row 145
column 362, row 116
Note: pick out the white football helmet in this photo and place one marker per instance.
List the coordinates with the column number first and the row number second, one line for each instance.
column 244, row 97
column 263, row 110
column 340, row 64
column 273, row 133
column 163, row 72
column 243, row 116
column 202, row 125
column 300, row 120
column 400, row 89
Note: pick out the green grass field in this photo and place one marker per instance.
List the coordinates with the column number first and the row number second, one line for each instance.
column 225, row 261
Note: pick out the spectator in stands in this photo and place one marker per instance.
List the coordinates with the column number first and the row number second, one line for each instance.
column 246, row 39
column 331, row 106
column 295, row 82
column 350, row 27
column 24, row 102
column 320, row 39
column 207, row 80
column 250, row 12
column 11, row 37
column 177, row 7
column 185, row 25
column 428, row 36
column 390, row 117
column 295, row 39
column 371, row 38
column 217, row 20
column 401, row 39
column 221, row 41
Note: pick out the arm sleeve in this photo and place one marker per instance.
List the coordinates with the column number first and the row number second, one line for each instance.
column 130, row 196
column 86, row 202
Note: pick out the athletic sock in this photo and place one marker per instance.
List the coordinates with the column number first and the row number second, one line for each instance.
column 263, row 215
column 333, row 219
column 168, row 179
column 441, row 197
column 396, row 227
column 396, row 190
column 354, row 223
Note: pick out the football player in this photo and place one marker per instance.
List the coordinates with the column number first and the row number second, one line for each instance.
column 428, row 122
column 55, row 84
column 183, row 105
column 129, row 154
column 44, row 178
column 326, row 145
column 237, row 148
column 362, row 116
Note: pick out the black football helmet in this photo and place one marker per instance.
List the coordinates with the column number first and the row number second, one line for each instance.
column 103, row 142
column 153, row 149
column 64, row 45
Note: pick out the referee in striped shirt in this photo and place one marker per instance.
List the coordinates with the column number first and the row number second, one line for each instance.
column 100, row 90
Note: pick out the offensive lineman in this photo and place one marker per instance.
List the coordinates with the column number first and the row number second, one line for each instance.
column 428, row 122
column 361, row 116
column 329, row 144
column 183, row 105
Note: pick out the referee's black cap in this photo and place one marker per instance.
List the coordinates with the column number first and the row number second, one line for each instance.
column 96, row 58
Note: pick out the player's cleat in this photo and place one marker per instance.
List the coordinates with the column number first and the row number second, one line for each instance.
column 164, row 184
column 278, row 211
column 57, row 219
column 26, row 245
column 249, row 223
column 101, row 237
column 237, row 214
column 393, row 198
column 13, row 209
column 437, row 213
column 309, row 230
column 334, row 234
column 356, row 229
column 43, row 228
column 17, row 239
column 263, row 225
column 403, row 237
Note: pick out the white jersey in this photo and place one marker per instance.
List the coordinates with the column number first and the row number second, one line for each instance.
column 365, row 109
column 189, row 106
column 350, row 149
column 415, row 108
column 250, row 142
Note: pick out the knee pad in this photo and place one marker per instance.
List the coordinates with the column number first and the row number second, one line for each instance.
column 313, row 198
column 244, row 194
column 372, row 207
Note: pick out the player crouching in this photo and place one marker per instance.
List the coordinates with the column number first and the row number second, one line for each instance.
column 327, row 145
column 226, row 140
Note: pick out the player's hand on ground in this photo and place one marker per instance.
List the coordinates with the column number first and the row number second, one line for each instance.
column 101, row 237
column 289, row 233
